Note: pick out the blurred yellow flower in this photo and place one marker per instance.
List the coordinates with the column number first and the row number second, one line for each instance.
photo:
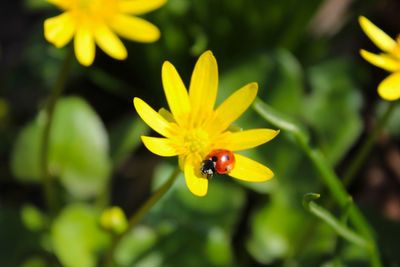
column 99, row 22
column 114, row 219
column 193, row 128
column 389, row 88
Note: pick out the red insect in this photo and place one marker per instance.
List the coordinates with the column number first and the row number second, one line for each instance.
column 219, row 161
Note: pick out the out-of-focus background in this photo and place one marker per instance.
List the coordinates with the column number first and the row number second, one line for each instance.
column 304, row 56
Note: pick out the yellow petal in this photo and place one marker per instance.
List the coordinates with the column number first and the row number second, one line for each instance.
column 249, row 170
column 152, row 118
column 137, row 7
column 389, row 88
column 203, row 86
column 135, row 29
column 109, row 42
column 59, row 30
column 166, row 115
column 377, row 36
column 84, row 46
column 160, row 146
column 382, row 61
column 197, row 184
column 245, row 139
column 175, row 92
column 234, row 106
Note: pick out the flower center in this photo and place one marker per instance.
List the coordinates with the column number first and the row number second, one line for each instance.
column 94, row 8
column 197, row 142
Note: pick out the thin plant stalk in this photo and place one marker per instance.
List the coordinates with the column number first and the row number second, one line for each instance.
column 366, row 147
column 59, row 85
column 326, row 174
column 341, row 197
column 136, row 217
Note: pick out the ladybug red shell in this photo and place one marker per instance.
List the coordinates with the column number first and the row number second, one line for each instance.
column 219, row 161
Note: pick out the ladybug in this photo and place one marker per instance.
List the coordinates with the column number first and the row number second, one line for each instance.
column 219, row 161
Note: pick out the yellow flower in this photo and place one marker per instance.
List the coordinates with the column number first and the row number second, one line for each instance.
column 114, row 219
column 99, row 22
column 194, row 128
column 389, row 88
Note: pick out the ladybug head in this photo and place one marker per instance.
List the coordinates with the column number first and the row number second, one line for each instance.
column 208, row 168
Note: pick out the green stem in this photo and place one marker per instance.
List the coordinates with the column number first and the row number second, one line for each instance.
column 47, row 181
column 136, row 217
column 361, row 155
column 326, row 174
column 340, row 195
column 340, row 228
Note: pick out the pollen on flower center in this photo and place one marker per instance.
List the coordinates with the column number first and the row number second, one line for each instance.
column 197, row 142
column 97, row 8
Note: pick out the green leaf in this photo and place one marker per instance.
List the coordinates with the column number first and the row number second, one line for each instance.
column 176, row 220
column 33, row 218
column 34, row 262
column 37, row 5
column 278, row 74
column 136, row 242
column 77, row 236
column 332, row 108
column 274, row 228
column 218, row 247
column 78, row 149
column 282, row 88
column 25, row 158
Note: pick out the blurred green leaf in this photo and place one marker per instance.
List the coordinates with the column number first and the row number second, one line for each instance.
column 136, row 242
column 244, row 71
column 221, row 197
column 274, row 228
column 282, row 86
column 78, row 149
column 77, row 236
column 218, row 247
column 294, row 30
column 280, row 79
column 25, row 158
column 34, row 262
column 33, row 218
column 196, row 228
column 332, row 108
column 37, row 5
column 125, row 138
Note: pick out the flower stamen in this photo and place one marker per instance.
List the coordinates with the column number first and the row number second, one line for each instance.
column 196, row 141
